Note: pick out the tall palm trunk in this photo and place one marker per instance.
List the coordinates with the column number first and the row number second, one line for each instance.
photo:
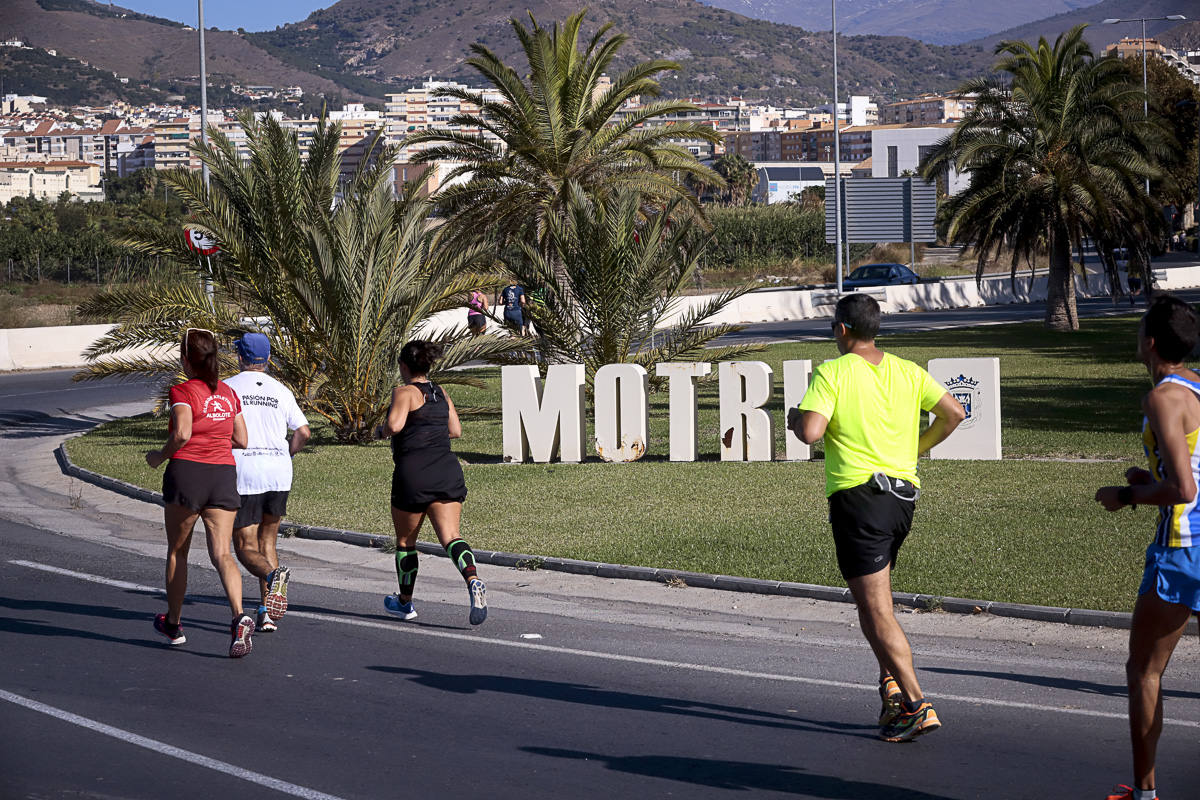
column 1061, row 314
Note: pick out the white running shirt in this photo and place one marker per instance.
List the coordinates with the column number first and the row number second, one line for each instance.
column 270, row 411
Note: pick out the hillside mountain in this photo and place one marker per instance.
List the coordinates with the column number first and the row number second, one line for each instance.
column 933, row 21
column 1101, row 35
column 146, row 48
column 1184, row 36
column 364, row 48
column 65, row 81
column 402, row 41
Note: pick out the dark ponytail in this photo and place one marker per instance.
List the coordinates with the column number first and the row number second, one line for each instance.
column 420, row 356
column 199, row 350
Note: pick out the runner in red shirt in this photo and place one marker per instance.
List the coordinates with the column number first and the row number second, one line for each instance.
column 200, row 482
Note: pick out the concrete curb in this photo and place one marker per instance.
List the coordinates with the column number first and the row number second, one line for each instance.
column 730, row 583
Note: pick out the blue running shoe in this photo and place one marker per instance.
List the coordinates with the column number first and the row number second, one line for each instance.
column 478, row 594
column 265, row 624
column 404, row 611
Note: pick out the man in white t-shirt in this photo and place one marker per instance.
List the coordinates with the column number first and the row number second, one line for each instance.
column 264, row 470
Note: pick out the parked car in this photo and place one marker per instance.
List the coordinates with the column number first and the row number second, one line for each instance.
column 880, row 275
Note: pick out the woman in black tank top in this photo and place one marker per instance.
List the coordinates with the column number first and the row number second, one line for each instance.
column 427, row 479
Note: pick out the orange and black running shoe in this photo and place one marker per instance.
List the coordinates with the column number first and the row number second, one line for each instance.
column 892, row 697
column 911, row 724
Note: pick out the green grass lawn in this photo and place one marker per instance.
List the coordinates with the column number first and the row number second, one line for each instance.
column 1024, row 529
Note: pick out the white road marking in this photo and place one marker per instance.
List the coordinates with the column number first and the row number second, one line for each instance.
column 116, row 584
column 414, row 630
column 168, row 750
column 48, row 391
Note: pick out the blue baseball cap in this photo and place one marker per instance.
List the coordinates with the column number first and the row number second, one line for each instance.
column 254, row 348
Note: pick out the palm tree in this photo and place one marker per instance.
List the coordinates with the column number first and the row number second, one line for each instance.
column 339, row 279
column 614, row 276
column 1059, row 153
column 556, row 129
column 740, row 177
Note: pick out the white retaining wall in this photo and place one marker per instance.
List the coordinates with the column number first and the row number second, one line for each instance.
column 782, row 304
column 46, row 348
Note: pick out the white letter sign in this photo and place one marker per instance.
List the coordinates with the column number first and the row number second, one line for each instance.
column 975, row 383
column 537, row 419
column 796, row 377
column 681, row 405
column 747, row 430
column 622, row 413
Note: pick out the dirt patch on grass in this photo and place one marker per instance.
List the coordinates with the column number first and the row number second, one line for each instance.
column 37, row 305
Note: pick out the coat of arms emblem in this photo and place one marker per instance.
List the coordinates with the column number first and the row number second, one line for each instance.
column 966, row 391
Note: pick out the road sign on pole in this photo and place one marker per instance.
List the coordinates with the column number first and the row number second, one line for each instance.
column 198, row 242
column 883, row 210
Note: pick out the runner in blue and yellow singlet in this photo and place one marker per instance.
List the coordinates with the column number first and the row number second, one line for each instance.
column 1178, row 524
column 1170, row 590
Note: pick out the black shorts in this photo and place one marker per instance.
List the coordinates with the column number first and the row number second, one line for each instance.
column 255, row 505
column 869, row 525
column 197, row 486
column 514, row 319
column 476, row 322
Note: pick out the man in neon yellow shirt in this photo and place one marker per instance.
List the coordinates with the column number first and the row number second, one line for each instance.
column 868, row 406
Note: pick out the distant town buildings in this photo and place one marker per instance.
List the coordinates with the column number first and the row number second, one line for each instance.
column 421, row 108
column 113, row 146
column 1187, row 62
column 68, row 149
column 119, row 138
column 930, row 109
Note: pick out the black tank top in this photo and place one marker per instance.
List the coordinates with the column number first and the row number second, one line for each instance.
column 427, row 426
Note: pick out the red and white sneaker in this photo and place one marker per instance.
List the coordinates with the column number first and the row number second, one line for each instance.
column 277, row 586
column 1124, row 792
column 241, row 630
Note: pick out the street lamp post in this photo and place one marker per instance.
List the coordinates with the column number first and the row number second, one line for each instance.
column 208, row 284
column 837, row 162
column 203, row 93
column 1145, row 84
column 1196, row 216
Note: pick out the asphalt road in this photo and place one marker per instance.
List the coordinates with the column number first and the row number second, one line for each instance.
column 617, row 697
column 36, row 402
column 348, row 702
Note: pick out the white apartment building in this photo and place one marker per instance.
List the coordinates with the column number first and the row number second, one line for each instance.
column 173, row 139
column 47, row 180
column 859, row 111
column 929, row 109
column 420, row 108
column 897, row 151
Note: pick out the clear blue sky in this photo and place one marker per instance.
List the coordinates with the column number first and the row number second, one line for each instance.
column 253, row 15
